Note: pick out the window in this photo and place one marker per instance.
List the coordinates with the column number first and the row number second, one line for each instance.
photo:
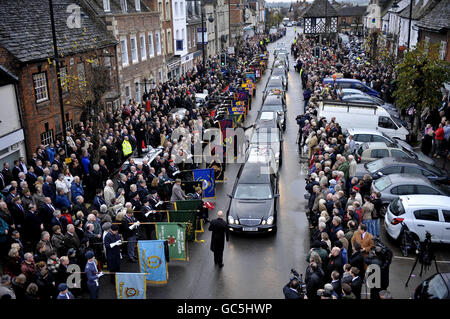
column 138, row 5
column 382, row 139
column 176, row 9
column 442, row 50
column 138, row 91
column 143, row 48
column 127, row 93
column 412, row 170
column 446, row 214
column 362, row 138
column 399, row 154
column 106, row 6
column 151, row 49
column 391, row 170
column 426, row 190
column 63, row 79
column 167, row 10
column 380, row 153
column 123, row 5
column 124, row 51
column 40, row 87
column 386, row 122
column 160, row 76
column 134, row 54
column 47, row 137
column 160, row 9
column 181, row 8
column 158, row 43
column 169, row 41
column 81, row 75
column 403, row 190
column 427, row 214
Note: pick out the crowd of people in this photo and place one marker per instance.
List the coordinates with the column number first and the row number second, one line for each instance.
column 55, row 213
column 343, row 213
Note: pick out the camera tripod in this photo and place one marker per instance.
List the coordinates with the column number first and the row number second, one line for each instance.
column 420, row 259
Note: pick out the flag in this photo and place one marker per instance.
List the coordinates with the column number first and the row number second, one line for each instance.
column 130, row 286
column 175, row 235
column 206, row 176
column 152, row 261
column 190, row 218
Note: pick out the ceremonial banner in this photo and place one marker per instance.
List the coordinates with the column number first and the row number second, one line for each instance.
column 206, row 176
column 130, row 286
column 175, row 235
column 152, row 261
column 190, row 218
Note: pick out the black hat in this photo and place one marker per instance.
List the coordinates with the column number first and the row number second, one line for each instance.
column 89, row 255
column 114, row 227
column 62, row 287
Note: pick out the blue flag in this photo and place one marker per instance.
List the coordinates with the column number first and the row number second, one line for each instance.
column 206, row 176
column 152, row 261
column 130, row 286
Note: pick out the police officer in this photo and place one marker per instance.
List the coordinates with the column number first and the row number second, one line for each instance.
column 127, row 150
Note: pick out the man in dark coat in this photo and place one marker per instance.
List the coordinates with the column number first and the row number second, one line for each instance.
column 112, row 244
column 33, row 226
column 314, row 280
column 219, row 232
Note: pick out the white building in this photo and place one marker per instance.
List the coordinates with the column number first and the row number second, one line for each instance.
column 12, row 143
column 180, row 32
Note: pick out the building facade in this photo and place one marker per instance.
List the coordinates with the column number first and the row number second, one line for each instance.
column 193, row 22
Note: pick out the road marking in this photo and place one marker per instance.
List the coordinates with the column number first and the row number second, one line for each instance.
column 409, row 258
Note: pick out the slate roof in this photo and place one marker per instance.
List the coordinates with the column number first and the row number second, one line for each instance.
column 25, row 30
column 419, row 10
column 317, row 9
column 352, row 11
column 438, row 18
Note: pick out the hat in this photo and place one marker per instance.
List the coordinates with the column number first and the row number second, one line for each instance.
column 114, row 227
column 62, row 287
column 77, row 223
column 153, row 192
column 71, row 251
column 89, row 255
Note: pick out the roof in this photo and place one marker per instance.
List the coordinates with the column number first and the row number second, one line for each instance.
column 352, row 11
column 318, row 8
column 419, row 9
column 273, row 99
column 253, row 173
column 25, row 30
column 403, row 178
column 437, row 18
column 425, row 200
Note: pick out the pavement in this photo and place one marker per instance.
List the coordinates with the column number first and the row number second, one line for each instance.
column 257, row 267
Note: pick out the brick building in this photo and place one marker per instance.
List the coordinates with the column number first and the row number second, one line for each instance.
column 26, row 51
column 350, row 19
column 135, row 25
column 193, row 19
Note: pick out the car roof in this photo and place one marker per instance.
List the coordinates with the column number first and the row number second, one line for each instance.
column 253, row 173
column 357, row 130
column 425, row 200
column 397, row 160
column 402, row 178
column 272, row 98
column 370, row 145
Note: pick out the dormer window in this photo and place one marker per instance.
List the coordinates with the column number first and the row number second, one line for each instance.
column 106, row 6
column 138, row 5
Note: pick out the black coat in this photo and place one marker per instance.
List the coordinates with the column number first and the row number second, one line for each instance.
column 32, row 226
column 289, row 293
column 18, row 215
column 112, row 253
column 314, row 281
column 356, row 285
column 357, row 260
column 219, row 232
column 46, row 214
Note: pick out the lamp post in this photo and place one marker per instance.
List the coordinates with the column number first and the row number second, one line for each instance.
column 396, row 6
column 210, row 19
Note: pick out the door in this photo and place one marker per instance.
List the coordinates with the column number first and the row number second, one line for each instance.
column 387, row 126
column 427, row 220
column 445, row 229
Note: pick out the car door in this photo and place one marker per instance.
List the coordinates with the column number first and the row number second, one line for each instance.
column 427, row 220
column 445, row 228
column 379, row 153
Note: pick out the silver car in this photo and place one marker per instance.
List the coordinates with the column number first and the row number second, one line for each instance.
column 394, row 185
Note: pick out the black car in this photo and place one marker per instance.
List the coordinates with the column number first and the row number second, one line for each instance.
column 394, row 165
column 435, row 287
column 276, row 103
column 254, row 201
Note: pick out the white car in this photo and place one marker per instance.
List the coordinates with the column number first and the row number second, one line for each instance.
column 421, row 214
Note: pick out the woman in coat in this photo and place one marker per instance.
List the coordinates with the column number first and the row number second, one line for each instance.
column 427, row 143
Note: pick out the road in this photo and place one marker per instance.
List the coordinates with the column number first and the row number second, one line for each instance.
column 258, row 267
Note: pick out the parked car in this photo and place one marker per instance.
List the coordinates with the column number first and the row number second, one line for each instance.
column 394, row 185
column 352, row 83
column 362, row 135
column 421, row 214
column 434, row 287
column 254, row 200
column 392, row 165
column 371, row 151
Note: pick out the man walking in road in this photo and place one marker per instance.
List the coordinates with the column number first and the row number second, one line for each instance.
column 219, row 232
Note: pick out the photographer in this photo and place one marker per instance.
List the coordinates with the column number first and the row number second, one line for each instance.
column 385, row 254
column 290, row 291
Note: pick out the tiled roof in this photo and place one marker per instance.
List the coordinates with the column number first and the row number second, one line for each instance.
column 115, row 7
column 25, row 29
column 318, row 8
column 437, row 18
column 352, row 11
column 419, row 9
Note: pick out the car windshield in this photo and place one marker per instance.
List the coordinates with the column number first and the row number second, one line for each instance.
column 275, row 83
column 265, row 137
column 443, row 188
column 374, row 166
column 382, row 183
column 435, row 288
column 397, row 121
column 396, row 207
column 253, row 191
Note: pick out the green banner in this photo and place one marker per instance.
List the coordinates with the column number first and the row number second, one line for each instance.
column 175, row 235
column 187, row 217
column 193, row 204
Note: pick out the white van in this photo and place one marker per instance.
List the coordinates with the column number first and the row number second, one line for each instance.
column 362, row 115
